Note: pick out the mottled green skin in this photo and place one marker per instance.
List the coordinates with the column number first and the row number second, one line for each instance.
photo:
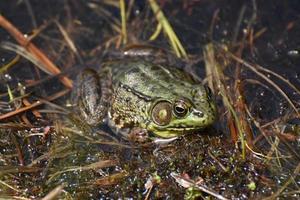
column 137, row 85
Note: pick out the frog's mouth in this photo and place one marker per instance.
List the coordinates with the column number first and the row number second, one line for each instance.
column 188, row 125
column 168, row 132
column 184, row 128
column 181, row 128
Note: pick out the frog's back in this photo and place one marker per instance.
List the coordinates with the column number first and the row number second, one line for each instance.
column 148, row 79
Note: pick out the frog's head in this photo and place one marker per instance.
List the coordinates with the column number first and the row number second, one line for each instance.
column 192, row 110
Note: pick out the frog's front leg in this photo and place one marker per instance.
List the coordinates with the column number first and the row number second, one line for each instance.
column 138, row 135
column 92, row 105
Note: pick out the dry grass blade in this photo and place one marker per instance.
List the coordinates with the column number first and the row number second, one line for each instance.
column 218, row 161
column 15, row 126
column 57, row 151
column 212, row 69
column 19, row 198
column 252, row 68
column 68, row 39
column 15, row 170
column 8, row 65
column 54, row 193
column 278, row 76
column 9, row 186
column 93, row 141
column 33, row 105
column 215, row 77
column 237, row 123
column 190, row 183
column 26, row 54
column 123, row 20
column 175, row 43
column 156, row 33
column 19, row 37
column 94, row 166
column 111, row 19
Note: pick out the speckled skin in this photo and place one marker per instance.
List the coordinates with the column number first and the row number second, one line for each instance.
column 131, row 88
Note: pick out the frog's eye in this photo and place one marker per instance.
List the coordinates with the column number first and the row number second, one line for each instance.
column 180, row 109
column 162, row 113
column 208, row 92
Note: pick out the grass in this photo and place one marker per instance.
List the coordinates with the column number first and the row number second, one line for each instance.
column 123, row 21
column 164, row 24
column 217, row 82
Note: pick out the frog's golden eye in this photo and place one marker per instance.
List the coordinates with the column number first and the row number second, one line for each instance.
column 162, row 113
column 180, row 109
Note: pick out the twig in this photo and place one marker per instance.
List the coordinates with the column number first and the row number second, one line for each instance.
column 238, row 24
column 187, row 182
column 35, row 112
column 69, row 41
column 33, row 105
column 53, row 193
column 9, row 186
column 19, row 169
column 93, row 166
column 8, row 65
column 19, row 37
column 22, row 51
column 18, row 149
column 219, row 163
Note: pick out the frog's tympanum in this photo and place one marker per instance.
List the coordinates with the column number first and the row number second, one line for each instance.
column 145, row 97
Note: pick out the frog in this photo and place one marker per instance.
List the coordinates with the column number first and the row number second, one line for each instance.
column 144, row 98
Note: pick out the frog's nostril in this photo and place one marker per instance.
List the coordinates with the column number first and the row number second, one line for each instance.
column 198, row 113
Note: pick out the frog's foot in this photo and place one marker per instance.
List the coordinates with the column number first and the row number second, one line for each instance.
column 91, row 104
column 162, row 143
column 139, row 135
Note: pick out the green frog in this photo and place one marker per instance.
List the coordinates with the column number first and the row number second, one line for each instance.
column 142, row 97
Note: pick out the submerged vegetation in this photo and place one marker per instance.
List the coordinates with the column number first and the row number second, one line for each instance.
column 47, row 151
